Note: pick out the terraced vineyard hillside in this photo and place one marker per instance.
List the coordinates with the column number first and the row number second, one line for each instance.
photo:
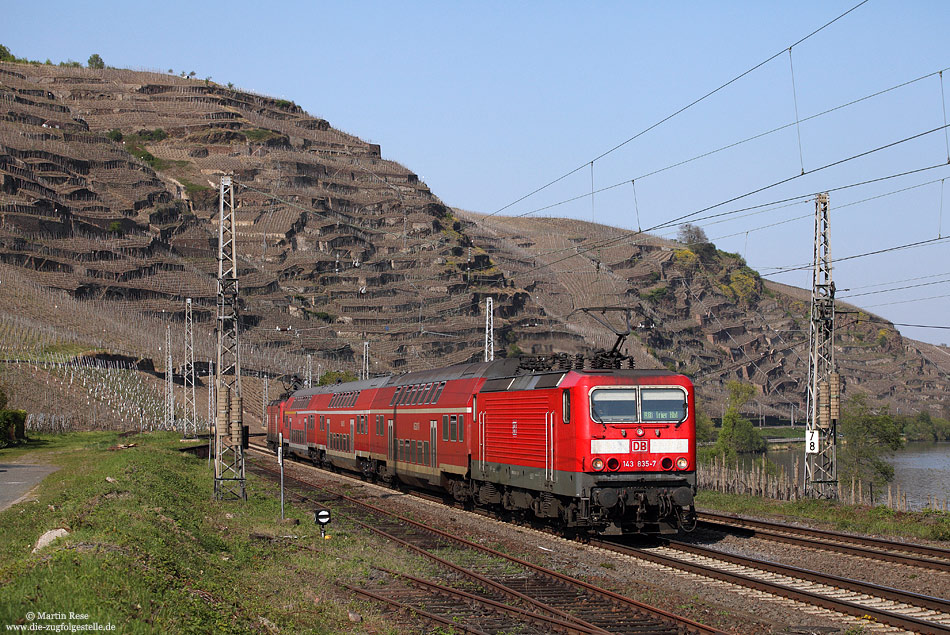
column 108, row 212
column 704, row 312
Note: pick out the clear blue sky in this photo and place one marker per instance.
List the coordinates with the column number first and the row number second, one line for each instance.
column 487, row 101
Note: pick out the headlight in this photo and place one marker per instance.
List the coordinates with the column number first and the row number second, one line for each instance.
column 639, row 432
column 597, row 464
column 681, row 463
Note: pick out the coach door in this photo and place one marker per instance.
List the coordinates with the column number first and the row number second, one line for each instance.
column 433, row 439
column 391, row 443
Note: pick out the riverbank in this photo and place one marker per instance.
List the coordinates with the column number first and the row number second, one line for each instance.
column 862, row 519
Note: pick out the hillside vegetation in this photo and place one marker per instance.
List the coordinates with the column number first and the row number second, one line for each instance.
column 108, row 205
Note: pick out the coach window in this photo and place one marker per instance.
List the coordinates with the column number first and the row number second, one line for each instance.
column 566, row 407
column 438, row 393
column 425, row 452
column 454, row 428
column 445, row 427
column 417, row 398
column 461, row 427
column 663, row 404
column 392, row 402
column 412, row 451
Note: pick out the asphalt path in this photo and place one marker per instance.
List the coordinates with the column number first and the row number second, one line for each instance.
column 17, row 479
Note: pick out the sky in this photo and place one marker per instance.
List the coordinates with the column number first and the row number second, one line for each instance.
column 490, row 101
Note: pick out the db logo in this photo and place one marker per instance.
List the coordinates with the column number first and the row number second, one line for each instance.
column 639, row 446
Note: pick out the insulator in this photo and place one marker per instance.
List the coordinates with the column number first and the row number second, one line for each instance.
column 835, row 389
column 824, row 405
column 236, row 411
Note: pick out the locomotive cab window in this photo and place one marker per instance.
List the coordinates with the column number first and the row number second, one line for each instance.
column 663, row 404
column 613, row 405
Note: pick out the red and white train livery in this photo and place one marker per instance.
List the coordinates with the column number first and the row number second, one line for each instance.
column 606, row 451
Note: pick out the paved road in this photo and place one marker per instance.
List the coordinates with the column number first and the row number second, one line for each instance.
column 16, row 479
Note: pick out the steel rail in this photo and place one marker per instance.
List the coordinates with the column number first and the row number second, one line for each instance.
column 858, row 586
column 564, row 579
column 414, row 609
column 485, row 581
column 568, row 625
column 801, row 595
column 863, row 546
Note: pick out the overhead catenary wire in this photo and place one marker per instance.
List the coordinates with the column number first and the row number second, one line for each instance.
column 738, row 143
column 692, row 215
column 680, row 111
column 919, row 243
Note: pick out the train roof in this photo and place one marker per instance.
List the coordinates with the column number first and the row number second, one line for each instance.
column 498, row 369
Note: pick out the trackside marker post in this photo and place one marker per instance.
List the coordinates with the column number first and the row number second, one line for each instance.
column 322, row 518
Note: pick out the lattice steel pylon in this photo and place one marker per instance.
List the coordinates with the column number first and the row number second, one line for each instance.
column 489, row 330
column 229, row 476
column 821, row 470
column 189, row 423
column 169, row 414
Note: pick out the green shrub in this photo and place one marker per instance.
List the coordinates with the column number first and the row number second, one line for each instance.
column 12, row 427
column 115, row 135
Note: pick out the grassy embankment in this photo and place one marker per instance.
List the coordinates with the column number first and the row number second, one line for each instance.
column 929, row 525
column 153, row 552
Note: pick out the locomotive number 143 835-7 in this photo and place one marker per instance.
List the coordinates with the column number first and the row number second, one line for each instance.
column 641, row 463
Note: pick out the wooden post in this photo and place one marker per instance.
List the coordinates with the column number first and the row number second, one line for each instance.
column 890, row 502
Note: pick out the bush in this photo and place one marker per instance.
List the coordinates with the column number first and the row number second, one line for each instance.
column 12, row 427
column 115, row 135
column 336, row 377
column 152, row 135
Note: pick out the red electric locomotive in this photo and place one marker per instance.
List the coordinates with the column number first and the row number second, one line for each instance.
column 610, row 451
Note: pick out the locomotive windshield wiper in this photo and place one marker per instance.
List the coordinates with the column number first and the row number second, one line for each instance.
column 679, row 423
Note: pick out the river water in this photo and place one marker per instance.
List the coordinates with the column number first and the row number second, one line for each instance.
column 921, row 469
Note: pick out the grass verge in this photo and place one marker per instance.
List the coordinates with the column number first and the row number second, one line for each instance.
column 150, row 550
column 928, row 524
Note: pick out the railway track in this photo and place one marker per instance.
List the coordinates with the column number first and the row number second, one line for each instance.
column 909, row 554
column 886, row 606
column 512, row 594
column 901, row 609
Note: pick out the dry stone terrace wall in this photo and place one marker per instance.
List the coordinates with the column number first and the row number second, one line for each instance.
column 694, row 321
column 338, row 245
column 325, row 226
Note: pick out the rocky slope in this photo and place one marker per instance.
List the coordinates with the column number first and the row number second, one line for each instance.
column 108, row 194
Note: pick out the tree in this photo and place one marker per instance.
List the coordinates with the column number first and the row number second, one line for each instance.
column 6, row 55
column 705, row 430
column 690, row 234
column 869, row 436
column 95, row 61
column 696, row 241
column 738, row 435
